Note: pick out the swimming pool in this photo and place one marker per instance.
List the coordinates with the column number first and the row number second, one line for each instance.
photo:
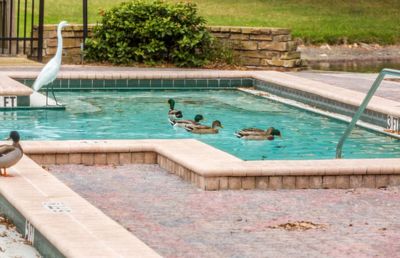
column 143, row 114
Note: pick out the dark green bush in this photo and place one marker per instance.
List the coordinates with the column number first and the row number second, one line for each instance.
column 151, row 32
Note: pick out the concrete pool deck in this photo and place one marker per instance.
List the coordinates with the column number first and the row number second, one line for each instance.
column 360, row 82
column 204, row 166
column 192, row 223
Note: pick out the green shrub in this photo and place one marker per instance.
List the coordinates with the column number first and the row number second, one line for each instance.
column 221, row 53
column 151, row 32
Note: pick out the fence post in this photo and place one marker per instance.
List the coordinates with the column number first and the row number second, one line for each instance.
column 40, row 31
column 85, row 21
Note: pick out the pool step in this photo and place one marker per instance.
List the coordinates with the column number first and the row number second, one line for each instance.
column 211, row 169
column 15, row 95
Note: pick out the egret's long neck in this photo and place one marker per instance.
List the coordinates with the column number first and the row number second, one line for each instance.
column 60, row 43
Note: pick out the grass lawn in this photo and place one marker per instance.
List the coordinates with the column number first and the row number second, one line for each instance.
column 369, row 21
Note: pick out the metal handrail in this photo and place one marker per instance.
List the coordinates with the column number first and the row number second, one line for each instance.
column 362, row 107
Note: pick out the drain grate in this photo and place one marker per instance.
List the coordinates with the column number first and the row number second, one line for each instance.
column 56, row 207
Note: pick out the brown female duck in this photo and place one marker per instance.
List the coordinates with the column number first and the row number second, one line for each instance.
column 204, row 129
column 258, row 134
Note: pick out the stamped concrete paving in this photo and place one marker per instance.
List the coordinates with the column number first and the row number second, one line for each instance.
column 178, row 220
column 360, row 82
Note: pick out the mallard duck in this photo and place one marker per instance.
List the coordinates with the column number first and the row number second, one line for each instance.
column 172, row 113
column 184, row 123
column 258, row 134
column 10, row 154
column 204, row 129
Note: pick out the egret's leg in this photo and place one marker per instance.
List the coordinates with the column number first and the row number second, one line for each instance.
column 52, row 92
column 47, row 96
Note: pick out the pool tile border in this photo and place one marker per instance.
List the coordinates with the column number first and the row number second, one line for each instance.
column 145, row 84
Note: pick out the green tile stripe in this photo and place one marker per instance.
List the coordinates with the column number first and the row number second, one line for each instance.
column 322, row 103
column 141, row 84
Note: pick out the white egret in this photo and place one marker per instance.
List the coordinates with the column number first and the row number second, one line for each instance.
column 50, row 70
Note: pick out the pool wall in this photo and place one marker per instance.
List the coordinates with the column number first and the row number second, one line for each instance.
column 369, row 116
column 40, row 242
column 212, row 169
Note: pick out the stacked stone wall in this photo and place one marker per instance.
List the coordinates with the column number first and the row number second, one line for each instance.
column 259, row 48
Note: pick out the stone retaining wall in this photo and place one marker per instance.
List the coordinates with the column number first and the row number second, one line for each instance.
column 259, row 48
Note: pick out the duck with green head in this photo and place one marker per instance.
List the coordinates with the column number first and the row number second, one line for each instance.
column 184, row 123
column 204, row 129
column 173, row 113
column 258, row 134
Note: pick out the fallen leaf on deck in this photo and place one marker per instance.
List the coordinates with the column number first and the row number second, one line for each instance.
column 299, row 225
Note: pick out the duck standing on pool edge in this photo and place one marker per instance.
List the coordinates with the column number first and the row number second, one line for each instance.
column 10, row 154
column 258, row 134
column 172, row 113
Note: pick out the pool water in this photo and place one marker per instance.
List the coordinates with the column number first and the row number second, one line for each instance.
column 143, row 115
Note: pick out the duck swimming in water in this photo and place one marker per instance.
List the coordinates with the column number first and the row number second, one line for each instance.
column 204, row 129
column 184, row 123
column 258, row 134
column 10, row 154
column 172, row 113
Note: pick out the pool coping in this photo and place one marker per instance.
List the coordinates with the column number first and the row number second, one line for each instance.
column 205, row 162
column 10, row 87
column 81, row 230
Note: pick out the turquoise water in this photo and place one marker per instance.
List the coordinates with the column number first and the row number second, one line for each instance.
column 143, row 115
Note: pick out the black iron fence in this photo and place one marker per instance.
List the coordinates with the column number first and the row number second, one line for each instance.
column 17, row 20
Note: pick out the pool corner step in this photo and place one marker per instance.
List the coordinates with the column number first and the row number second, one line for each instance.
column 15, row 95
